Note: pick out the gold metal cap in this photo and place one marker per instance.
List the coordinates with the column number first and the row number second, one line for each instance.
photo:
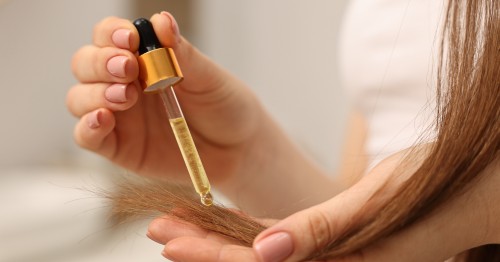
column 158, row 69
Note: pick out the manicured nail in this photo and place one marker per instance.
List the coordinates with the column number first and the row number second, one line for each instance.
column 275, row 247
column 116, row 66
column 116, row 93
column 173, row 24
column 121, row 38
column 93, row 119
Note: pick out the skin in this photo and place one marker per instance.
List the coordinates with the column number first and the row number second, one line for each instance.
column 244, row 159
column 354, row 160
column 463, row 223
column 247, row 159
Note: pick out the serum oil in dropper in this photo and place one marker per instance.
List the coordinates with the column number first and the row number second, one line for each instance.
column 159, row 70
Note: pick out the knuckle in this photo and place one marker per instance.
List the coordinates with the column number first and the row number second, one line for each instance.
column 97, row 66
column 320, row 229
column 70, row 101
column 77, row 137
column 74, row 62
column 104, row 23
column 79, row 58
column 95, row 31
column 107, row 26
column 84, row 139
column 98, row 28
column 76, row 59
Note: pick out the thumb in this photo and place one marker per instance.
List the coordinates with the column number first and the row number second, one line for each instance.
column 303, row 234
column 201, row 75
column 214, row 100
column 307, row 232
column 296, row 237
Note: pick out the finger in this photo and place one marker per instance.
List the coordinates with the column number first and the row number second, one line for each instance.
column 216, row 98
column 166, row 228
column 309, row 231
column 94, row 132
column 167, row 29
column 91, row 64
column 83, row 98
column 116, row 32
column 196, row 249
column 189, row 58
column 306, row 232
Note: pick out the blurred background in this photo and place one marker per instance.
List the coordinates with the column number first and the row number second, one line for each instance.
column 285, row 50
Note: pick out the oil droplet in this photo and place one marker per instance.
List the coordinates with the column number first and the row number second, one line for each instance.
column 207, row 199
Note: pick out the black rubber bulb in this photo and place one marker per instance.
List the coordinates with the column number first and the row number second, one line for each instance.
column 148, row 39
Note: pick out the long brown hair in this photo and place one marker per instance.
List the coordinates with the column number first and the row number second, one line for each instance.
column 468, row 141
column 467, row 121
column 145, row 198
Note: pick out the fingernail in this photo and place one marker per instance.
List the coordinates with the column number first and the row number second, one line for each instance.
column 93, row 119
column 275, row 247
column 173, row 24
column 116, row 66
column 121, row 38
column 116, row 93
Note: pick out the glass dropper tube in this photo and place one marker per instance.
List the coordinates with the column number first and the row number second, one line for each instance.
column 186, row 145
column 159, row 72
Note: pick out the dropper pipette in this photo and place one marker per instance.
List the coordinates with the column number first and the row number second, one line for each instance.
column 159, row 71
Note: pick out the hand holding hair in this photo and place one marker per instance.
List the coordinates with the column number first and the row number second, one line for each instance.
column 457, row 226
column 444, row 205
column 428, row 210
column 309, row 234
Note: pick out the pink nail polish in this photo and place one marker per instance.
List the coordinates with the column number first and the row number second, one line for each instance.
column 116, row 93
column 121, row 38
column 116, row 66
column 173, row 24
column 93, row 119
column 275, row 247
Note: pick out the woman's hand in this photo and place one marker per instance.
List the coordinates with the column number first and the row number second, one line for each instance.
column 295, row 237
column 130, row 128
column 243, row 150
column 460, row 224
column 464, row 222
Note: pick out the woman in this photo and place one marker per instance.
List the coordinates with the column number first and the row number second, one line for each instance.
column 401, row 213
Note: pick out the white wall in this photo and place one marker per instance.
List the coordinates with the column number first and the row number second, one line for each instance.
column 38, row 39
column 286, row 51
column 45, row 214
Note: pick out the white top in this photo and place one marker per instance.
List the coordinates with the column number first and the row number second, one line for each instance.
column 387, row 66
